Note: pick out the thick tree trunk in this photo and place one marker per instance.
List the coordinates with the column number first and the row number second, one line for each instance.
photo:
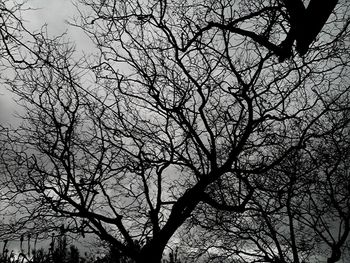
column 316, row 15
column 154, row 256
column 152, row 252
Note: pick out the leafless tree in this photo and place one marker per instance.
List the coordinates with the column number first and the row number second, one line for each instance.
column 182, row 103
column 299, row 211
column 15, row 38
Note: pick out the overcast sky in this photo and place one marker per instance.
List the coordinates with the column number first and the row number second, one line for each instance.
column 54, row 13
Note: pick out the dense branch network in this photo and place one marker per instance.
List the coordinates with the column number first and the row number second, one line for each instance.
column 184, row 118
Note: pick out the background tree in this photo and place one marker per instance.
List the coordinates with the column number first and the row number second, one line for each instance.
column 182, row 105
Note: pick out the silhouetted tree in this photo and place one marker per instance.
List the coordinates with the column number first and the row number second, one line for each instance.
column 15, row 39
column 183, row 106
column 299, row 211
column 305, row 22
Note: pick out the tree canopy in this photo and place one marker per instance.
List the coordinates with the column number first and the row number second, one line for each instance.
column 193, row 121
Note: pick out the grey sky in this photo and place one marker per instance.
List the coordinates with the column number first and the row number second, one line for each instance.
column 54, row 13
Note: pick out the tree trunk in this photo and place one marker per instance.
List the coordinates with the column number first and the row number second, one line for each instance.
column 152, row 254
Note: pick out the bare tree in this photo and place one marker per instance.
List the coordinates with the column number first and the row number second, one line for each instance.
column 182, row 104
column 15, row 38
column 299, row 211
